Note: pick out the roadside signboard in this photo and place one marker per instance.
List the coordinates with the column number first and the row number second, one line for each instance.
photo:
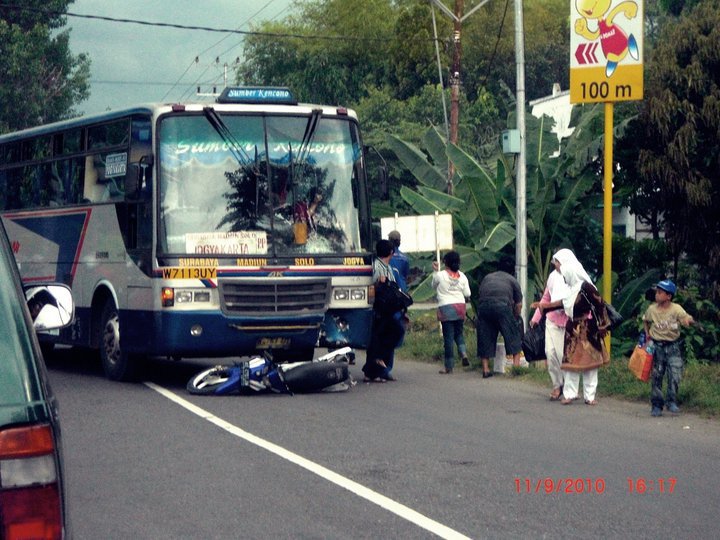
column 606, row 44
column 420, row 233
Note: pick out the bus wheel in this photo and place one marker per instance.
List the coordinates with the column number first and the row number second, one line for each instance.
column 116, row 363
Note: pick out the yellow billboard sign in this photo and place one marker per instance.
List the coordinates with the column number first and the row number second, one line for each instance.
column 606, row 43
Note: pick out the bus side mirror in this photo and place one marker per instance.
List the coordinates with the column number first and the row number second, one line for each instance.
column 146, row 163
column 382, row 173
column 383, row 181
column 138, row 182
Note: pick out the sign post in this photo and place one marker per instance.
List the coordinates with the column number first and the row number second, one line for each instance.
column 606, row 65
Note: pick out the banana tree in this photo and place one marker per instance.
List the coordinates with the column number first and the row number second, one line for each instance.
column 561, row 191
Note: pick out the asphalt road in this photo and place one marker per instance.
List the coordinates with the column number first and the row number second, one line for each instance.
column 427, row 456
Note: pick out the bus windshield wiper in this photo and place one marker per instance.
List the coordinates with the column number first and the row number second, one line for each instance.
column 233, row 144
column 304, row 148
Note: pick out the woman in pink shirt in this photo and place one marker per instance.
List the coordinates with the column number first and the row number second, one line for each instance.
column 555, row 322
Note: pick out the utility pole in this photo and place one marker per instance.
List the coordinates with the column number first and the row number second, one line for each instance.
column 520, row 183
column 455, row 80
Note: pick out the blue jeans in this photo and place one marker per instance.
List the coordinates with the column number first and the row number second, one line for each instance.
column 453, row 335
column 666, row 359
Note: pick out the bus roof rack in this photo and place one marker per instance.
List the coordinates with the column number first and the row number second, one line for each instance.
column 257, row 94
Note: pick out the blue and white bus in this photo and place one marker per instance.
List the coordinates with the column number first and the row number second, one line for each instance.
column 197, row 229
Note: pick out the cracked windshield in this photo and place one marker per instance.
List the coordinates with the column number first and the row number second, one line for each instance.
column 258, row 185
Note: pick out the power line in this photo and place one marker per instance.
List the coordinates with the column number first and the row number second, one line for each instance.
column 139, row 83
column 204, row 28
column 197, row 56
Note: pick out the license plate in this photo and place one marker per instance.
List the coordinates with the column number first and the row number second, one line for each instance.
column 273, row 343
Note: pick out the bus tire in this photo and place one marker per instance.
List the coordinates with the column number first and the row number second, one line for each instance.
column 117, row 364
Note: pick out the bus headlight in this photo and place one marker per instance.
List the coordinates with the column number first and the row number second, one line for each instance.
column 171, row 296
column 341, row 294
column 347, row 293
column 183, row 297
column 357, row 294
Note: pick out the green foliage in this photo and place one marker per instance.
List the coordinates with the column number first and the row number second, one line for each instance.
column 674, row 148
column 559, row 194
column 702, row 341
column 42, row 80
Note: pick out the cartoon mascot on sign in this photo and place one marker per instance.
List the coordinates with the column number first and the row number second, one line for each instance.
column 614, row 42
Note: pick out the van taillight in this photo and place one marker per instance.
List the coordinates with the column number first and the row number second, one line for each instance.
column 29, row 492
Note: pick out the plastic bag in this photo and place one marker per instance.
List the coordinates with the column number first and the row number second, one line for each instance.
column 533, row 342
column 640, row 363
column 614, row 316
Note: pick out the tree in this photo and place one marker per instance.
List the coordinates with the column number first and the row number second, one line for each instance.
column 42, row 80
column 328, row 53
column 561, row 193
column 489, row 47
column 678, row 152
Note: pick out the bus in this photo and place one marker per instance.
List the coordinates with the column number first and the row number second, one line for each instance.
column 203, row 229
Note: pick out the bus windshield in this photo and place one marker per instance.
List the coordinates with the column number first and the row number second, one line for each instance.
column 251, row 184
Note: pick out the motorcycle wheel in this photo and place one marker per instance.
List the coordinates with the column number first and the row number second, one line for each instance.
column 206, row 382
column 314, row 376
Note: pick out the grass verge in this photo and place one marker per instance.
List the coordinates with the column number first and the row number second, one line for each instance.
column 699, row 390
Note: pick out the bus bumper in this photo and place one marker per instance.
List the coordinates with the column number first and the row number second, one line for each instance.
column 200, row 334
column 346, row 328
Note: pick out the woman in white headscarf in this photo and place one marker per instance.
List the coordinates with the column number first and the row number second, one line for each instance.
column 586, row 327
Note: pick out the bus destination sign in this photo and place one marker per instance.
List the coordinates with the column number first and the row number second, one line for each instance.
column 257, row 94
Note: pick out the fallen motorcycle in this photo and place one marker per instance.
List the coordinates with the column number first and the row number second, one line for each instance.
column 327, row 373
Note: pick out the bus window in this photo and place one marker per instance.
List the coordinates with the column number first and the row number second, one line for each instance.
column 105, row 177
column 107, row 135
column 68, row 142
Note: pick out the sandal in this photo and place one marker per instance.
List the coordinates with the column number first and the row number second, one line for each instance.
column 591, row 402
column 445, row 372
column 555, row 395
column 566, row 401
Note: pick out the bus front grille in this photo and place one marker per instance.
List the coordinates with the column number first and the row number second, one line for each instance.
column 281, row 296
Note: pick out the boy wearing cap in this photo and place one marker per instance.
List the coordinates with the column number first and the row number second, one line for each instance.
column 662, row 322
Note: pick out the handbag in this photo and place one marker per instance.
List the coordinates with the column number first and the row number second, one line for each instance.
column 533, row 342
column 389, row 298
column 640, row 363
column 614, row 316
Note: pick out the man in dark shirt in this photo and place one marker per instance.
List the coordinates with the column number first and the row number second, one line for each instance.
column 499, row 305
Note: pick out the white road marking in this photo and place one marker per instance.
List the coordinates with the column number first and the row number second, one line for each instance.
column 368, row 494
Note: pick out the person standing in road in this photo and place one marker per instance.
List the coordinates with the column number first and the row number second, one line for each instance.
column 453, row 291
column 585, row 330
column 662, row 322
column 387, row 329
column 400, row 265
column 555, row 322
column 500, row 302
column 399, row 262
